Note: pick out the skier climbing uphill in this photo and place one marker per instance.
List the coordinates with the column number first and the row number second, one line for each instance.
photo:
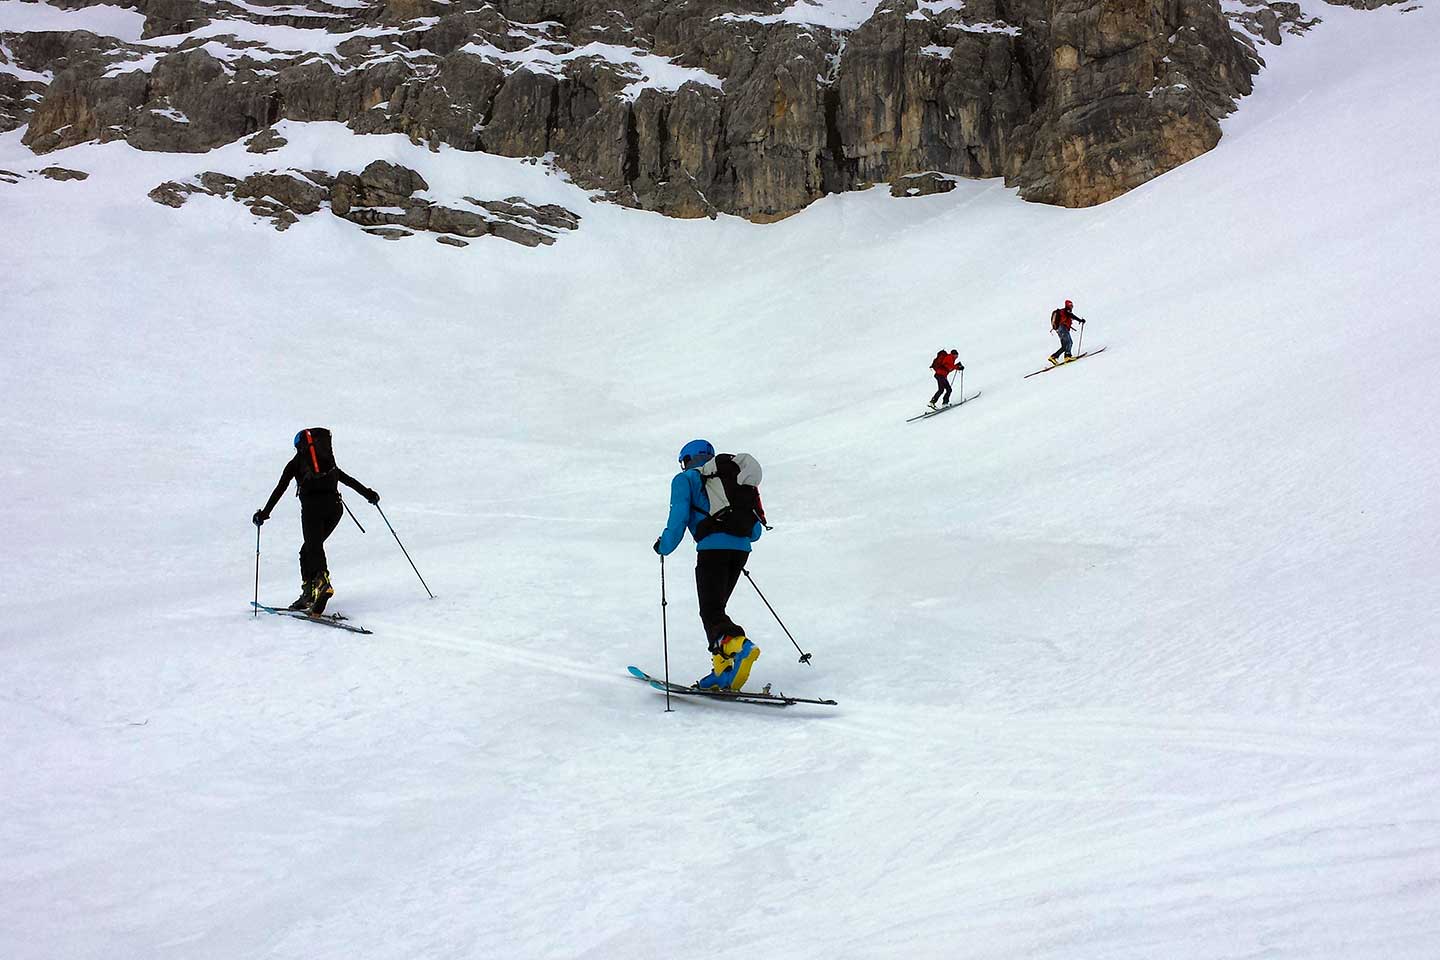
column 944, row 365
column 1061, row 320
column 317, row 481
column 722, row 546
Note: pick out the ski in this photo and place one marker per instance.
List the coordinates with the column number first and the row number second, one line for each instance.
column 763, row 697
column 678, row 690
column 1087, row 353
column 939, row 410
column 325, row 619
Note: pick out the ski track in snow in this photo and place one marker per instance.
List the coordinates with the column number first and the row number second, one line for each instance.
column 1132, row 659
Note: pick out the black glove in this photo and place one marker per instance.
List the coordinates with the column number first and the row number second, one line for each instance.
column 372, row 496
column 260, row 517
column 960, row 367
column 657, row 545
column 1077, row 318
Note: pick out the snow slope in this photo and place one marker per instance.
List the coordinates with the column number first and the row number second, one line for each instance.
column 1134, row 659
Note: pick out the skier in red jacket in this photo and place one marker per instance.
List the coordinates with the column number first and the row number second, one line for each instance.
column 944, row 364
column 1061, row 320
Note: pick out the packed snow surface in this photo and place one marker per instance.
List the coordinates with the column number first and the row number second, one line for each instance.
column 842, row 15
column 1135, row 659
column 654, row 71
column 102, row 19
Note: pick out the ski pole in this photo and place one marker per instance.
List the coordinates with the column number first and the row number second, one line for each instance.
column 665, row 634
column 804, row 657
column 1081, row 342
column 352, row 514
column 255, row 610
column 404, row 551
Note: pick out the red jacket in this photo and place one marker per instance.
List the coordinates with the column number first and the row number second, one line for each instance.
column 1060, row 317
column 944, row 365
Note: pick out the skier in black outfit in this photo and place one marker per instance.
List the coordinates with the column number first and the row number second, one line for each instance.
column 317, row 481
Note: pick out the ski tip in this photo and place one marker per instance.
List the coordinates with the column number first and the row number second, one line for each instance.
column 637, row 673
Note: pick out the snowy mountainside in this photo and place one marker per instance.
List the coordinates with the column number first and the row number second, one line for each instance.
column 1133, row 659
column 694, row 109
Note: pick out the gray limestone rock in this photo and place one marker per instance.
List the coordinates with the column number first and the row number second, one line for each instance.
column 1071, row 101
column 292, row 193
column 519, row 234
column 217, row 184
column 1134, row 89
column 461, row 222
column 1270, row 20
column 922, row 185
column 61, row 173
column 172, row 194
column 378, row 198
column 266, row 141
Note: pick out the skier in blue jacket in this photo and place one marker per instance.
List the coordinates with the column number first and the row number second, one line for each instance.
column 719, row 559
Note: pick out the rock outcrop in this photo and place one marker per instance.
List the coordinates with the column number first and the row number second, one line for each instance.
column 380, row 199
column 922, row 185
column 748, row 107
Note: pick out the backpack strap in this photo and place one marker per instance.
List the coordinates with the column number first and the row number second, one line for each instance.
column 314, row 460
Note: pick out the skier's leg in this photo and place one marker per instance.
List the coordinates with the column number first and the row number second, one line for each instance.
column 716, row 574
column 736, row 644
column 940, row 385
column 318, row 520
column 1065, row 342
column 732, row 653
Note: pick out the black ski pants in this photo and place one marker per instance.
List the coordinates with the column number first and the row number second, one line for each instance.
column 318, row 519
column 716, row 573
column 943, row 383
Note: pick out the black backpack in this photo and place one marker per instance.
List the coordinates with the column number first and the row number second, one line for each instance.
column 732, row 484
column 317, row 458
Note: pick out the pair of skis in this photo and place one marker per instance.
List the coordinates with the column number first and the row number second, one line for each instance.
column 1078, row 356
column 939, row 410
column 337, row 620
column 762, row 697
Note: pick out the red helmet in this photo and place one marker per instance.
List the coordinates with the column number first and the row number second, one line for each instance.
column 1069, row 304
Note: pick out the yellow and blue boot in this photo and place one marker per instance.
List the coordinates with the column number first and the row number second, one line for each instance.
column 730, row 668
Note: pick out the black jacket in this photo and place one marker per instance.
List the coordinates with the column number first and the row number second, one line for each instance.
column 324, row 487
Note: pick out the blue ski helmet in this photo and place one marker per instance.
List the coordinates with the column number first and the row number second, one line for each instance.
column 696, row 450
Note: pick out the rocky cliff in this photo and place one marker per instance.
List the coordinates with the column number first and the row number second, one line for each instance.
column 687, row 107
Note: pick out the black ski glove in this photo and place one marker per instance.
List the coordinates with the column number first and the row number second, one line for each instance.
column 960, row 367
column 260, row 517
column 656, row 547
column 372, row 496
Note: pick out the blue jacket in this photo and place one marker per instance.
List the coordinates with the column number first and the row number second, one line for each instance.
column 688, row 506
